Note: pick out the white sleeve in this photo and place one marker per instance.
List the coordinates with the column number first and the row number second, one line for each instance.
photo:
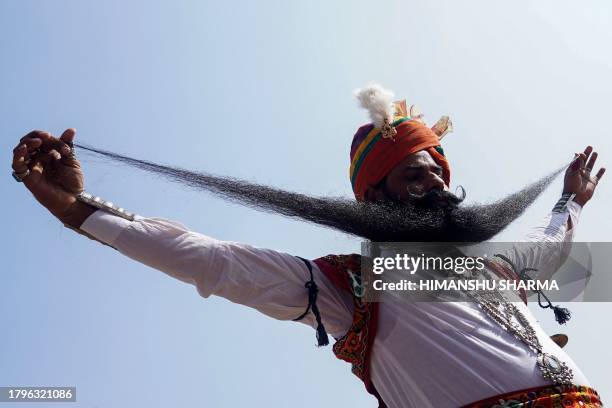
column 556, row 226
column 548, row 245
column 269, row 281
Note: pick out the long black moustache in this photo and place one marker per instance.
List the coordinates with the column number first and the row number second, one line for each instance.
column 375, row 221
column 434, row 196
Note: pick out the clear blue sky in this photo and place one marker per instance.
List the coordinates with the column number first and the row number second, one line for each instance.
column 262, row 90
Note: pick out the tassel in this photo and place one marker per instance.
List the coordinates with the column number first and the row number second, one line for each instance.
column 562, row 315
column 313, row 290
column 322, row 338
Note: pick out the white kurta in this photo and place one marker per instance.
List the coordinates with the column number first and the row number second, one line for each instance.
column 443, row 354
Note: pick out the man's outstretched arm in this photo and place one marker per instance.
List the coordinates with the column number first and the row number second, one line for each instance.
column 269, row 281
column 548, row 244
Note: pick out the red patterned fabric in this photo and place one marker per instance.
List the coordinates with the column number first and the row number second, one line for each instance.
column 559, row 396
column 354, row 347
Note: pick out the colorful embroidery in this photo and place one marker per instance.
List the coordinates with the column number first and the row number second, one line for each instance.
column 559, row 396
column 355, row 345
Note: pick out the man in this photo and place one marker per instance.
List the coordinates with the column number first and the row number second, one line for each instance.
column 445, row 354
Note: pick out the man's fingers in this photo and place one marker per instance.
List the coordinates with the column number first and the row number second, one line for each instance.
column 31, row 144
column 62, row 145
column 48, row 141
column 20, row 166
column 578, row 162
column 54, row 154
column 19, row 158
column 68, row 136
column 31, row 135
column 591, row 162
column 43, row 162
column 56, row 144
column 68, row 157
column 600, row 173
column 40, row 134
column 35, row 175
column 19, row 147
column 588, row 151
column 67, row 151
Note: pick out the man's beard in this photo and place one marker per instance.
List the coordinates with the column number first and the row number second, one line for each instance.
column 421, row 219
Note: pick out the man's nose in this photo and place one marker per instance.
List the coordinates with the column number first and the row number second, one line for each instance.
column 434, row 182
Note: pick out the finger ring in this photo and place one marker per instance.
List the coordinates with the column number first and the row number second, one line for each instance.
column 19, row 177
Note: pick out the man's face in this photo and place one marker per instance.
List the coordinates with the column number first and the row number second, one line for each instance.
column 414, row 177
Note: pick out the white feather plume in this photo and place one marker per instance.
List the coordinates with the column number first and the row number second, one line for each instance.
column 379, row 103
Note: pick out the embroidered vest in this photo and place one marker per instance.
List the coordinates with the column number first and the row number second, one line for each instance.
column 344, row 271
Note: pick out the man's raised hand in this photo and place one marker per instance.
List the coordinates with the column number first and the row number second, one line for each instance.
column 55, row 176
column 579, row 178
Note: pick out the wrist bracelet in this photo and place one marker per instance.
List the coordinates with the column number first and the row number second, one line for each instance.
column 104, row 205
column 561, row 205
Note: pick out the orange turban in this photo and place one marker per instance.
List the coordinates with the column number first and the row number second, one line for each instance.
column 374, row 156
